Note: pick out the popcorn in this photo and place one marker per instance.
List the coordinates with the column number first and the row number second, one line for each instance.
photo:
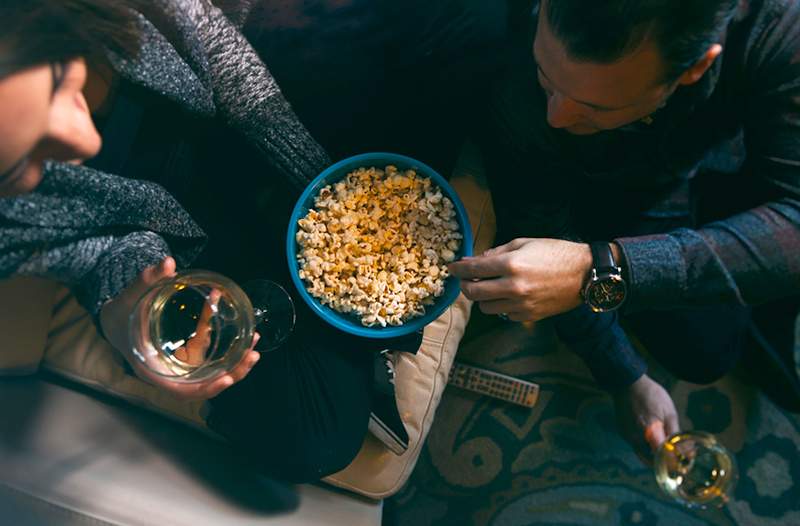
column 376, row 244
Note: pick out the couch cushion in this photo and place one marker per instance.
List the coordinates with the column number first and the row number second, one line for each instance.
column 69, row 458
column 24, row 322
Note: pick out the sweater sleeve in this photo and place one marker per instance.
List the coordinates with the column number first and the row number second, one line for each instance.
column 95, row 268
column 117, row 267
column 93, row 232
column 603, row 345
column 250, row 100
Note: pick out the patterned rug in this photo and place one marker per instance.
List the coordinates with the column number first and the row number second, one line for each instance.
column 490, row 463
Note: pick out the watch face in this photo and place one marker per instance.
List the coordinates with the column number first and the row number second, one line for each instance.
column 605, row 294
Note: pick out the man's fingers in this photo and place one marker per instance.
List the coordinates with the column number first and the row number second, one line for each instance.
column 508, row 247
column 480, row 267
column 487, row 289
column 498, row 307
column 654, row 434
column 671, row 425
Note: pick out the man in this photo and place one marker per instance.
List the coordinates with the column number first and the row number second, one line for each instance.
column 646, row 155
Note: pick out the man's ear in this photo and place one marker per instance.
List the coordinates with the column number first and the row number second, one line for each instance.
column 696, row 72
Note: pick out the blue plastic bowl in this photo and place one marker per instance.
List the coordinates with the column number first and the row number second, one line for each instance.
column 350, row 323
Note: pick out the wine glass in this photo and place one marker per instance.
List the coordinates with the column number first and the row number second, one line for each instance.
column 198, row 324
column 693, row 468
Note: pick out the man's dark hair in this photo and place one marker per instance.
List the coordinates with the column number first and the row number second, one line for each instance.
column 45, row 31
column 605, row 31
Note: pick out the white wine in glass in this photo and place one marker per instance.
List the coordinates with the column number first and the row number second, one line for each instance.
column 695, row 469
column 198, row 324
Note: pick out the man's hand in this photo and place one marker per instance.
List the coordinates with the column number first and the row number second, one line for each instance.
column 526, row 279
column 114, row 318
column 646, row 416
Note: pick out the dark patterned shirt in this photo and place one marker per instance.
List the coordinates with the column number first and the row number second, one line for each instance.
column 704, row 199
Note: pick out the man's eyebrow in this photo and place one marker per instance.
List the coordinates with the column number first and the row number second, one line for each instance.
column 585, row 103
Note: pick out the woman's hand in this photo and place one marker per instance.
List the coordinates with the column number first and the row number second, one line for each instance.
column 114, row 318
column 526, row 279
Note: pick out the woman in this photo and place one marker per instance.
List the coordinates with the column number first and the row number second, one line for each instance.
column 44, row 117
column 303, row 412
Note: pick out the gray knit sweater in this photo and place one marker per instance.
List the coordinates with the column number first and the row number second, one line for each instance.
column 96, row 232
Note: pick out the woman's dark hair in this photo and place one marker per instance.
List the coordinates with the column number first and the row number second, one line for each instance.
column 603, row 31
column 46, row 31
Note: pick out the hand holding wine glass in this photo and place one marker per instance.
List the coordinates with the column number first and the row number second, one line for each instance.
column 692, row 467
column 646, row 415
column 696, row 470
column 115, row 317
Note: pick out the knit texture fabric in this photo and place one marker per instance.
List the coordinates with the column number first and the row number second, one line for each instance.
column 195, row 56
column 92, row 231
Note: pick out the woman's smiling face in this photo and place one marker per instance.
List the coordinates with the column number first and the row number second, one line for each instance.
column 43, row 115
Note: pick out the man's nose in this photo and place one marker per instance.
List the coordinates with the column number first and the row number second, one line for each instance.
column 562, row 112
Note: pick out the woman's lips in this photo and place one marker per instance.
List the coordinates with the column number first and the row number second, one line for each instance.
column 14, row 173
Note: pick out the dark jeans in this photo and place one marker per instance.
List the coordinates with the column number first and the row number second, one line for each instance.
column 697, row 345
column 302, row 412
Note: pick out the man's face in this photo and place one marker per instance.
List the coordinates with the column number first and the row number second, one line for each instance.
column 585, row 98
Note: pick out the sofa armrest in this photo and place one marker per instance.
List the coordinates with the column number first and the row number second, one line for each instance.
column 70, row 458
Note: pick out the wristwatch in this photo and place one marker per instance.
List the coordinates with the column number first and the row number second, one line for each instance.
column 605, row 290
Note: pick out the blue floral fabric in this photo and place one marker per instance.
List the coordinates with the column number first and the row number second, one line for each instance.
column 490, row 463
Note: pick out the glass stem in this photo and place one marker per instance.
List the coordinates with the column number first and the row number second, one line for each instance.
column 260, row 315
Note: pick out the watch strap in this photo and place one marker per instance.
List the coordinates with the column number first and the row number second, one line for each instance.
column 602, row 257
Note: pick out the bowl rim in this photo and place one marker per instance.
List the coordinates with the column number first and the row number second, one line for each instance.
column 328, row 314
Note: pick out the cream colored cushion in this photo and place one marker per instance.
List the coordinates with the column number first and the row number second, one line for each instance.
column 67, row 459
column 25, row 306
column 75, row 350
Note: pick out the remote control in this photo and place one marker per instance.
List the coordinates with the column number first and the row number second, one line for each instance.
column 496, row 385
